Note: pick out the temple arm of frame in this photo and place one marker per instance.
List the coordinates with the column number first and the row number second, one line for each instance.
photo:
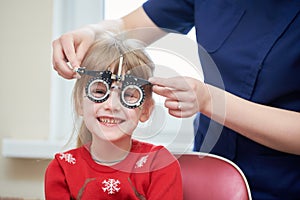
column 82, row 70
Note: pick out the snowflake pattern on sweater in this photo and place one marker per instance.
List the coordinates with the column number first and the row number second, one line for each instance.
column 111, row 186
column 68, row 157
column 147, row 172
column 140, row 163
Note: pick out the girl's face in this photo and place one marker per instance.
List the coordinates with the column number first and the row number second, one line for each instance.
column 110, row 120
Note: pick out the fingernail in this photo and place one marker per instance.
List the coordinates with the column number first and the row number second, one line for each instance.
column 69, row 65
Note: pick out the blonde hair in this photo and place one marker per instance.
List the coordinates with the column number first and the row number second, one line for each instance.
column 103, row 55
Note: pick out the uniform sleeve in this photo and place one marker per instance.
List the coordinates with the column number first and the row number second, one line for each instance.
column 166, row 180
column 174, row 15
column 55, row 183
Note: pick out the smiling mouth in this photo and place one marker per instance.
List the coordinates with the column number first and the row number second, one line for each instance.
column 111, row 121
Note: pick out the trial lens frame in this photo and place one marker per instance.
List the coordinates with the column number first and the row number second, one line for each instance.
column 107, row 77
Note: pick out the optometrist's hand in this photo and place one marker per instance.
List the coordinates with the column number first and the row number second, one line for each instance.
column 69, row 50
column 185, row 96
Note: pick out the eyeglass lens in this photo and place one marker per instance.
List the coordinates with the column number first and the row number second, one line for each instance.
column 99, row 90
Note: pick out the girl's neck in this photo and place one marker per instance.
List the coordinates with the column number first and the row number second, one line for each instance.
column 109, row 153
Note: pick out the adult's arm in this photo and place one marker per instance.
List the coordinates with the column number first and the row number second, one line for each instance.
column 72, row 46
column 273, row 127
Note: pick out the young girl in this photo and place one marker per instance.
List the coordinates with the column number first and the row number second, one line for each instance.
column 112, row 96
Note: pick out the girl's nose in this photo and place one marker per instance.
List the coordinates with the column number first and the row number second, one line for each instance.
column 113, row 101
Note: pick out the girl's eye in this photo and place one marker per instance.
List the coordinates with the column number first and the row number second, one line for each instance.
column 132, row 95
column 98, row 90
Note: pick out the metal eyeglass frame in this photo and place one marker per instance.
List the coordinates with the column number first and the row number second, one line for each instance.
column 107, row 77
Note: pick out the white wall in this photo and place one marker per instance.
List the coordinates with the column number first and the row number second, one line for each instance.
column 25, row 63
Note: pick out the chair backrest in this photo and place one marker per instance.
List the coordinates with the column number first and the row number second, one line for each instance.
column 211, row 177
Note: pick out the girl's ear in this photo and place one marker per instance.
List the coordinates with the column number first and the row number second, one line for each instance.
column 147, row 109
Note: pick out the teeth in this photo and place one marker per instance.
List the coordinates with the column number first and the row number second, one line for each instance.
column 110, row 121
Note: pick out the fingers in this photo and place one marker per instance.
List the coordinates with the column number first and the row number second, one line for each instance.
column 171, row 93
column 62, row 54
column 68, row 45
column 80, row 53
column 174, row 105
column 180, row 108
column 180, row 93
column 178, row 88
column 179, row 82
column 71, row 47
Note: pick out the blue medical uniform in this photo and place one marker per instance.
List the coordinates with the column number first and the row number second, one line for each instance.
column 256, row 47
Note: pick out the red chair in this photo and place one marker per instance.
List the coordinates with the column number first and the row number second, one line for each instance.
column 211, row 177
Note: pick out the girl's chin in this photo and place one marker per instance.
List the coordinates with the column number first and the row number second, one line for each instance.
column 114, row 130
column 113, row 137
